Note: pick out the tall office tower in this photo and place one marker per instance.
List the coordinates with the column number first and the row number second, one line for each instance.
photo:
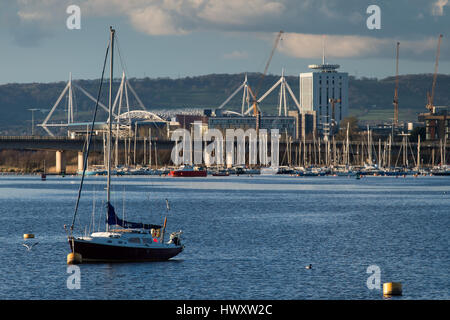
column 323, row 89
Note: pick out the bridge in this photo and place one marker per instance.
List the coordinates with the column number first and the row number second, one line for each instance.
column 296, row 152
column 67, row 143
column 78, row 144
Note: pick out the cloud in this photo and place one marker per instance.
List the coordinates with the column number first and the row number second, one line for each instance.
column 155, row 21
column 304, row 21
column 238, row 12
column 163, row 17
column 344, row 46
column 438, row 7
column 158, row 17
column 236, row 55
column 24, row 27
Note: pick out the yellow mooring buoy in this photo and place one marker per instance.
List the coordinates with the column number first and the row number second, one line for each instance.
column 392, row 289
column 74, row 258
column 28, row 236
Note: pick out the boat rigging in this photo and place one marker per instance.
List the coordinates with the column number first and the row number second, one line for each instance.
column 122, row 240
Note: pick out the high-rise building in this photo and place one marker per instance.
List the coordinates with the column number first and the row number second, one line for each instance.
column 323, row 89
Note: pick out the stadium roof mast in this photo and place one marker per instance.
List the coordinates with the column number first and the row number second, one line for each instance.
column 282, row 104
column 245, row 97
column 123, row 88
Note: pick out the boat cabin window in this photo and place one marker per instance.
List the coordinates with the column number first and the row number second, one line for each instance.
column 134, row 240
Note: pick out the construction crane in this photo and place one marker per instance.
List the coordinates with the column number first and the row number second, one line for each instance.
column 430, row 98
column 254, row 94
column 396, row 88
column 333, row 115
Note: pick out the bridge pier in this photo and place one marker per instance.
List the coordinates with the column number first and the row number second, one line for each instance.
column 60, row 166
column 80, row 161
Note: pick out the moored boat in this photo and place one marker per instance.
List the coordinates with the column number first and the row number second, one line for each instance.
column 221, row 174
column 128, row 241
column 132, row 242
column 269, row 171
column 188, row 171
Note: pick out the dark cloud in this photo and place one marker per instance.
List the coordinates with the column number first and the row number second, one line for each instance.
column 22, row 32
column 409, row 19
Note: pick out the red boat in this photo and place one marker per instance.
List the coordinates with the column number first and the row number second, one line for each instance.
column 188, row 171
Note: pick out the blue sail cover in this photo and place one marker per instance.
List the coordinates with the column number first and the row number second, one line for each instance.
column 113, row 219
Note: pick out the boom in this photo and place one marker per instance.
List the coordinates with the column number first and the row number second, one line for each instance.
column 430, row 105
column 396, row 88
column 255, row 95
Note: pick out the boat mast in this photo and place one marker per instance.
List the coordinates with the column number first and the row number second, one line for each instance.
column 108, row 183
column 347, row 147
column 418, row 152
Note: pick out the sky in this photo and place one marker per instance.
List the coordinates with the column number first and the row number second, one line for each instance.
column 179, row 38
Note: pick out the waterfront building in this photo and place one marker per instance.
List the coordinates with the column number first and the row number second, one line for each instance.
column 323, row 90
column 285, row 125
column 305, row 123
column 437, row 124
column 186, row 121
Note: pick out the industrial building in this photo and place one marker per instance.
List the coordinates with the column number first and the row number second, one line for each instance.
column 437, row 124
column 285, row 125
column 305, row 123
column 186, row 121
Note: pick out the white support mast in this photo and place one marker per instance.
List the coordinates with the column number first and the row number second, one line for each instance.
column 44, row 123
column 245, row 96
column 282, row 98
column 70, row 102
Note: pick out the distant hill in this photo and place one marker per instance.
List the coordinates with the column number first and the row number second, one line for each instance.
column 369, row 99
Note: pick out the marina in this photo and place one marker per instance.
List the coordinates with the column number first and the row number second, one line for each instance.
column 224, row 151
column 248, row 237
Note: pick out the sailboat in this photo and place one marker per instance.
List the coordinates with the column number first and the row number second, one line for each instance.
column 122, row 240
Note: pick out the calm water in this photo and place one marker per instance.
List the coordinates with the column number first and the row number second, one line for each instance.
column 245, row 237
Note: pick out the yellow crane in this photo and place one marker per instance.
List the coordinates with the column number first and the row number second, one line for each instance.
column 254, row 94
column 396, row 88
column 430, row 98
column 333, row 114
